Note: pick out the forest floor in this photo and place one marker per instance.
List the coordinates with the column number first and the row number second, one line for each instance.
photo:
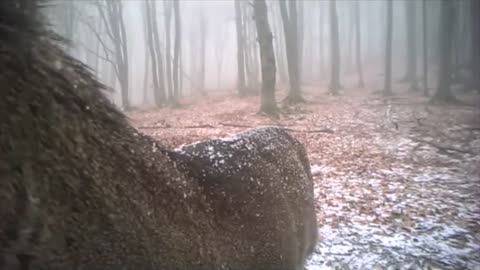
column 397, row 181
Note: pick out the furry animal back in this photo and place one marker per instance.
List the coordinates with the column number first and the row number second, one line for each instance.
column 81, row 189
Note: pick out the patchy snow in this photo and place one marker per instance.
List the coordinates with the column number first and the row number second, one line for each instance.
column 387, row 198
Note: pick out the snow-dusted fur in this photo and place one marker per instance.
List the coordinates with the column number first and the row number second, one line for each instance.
column 81, row 189
column 260, row 185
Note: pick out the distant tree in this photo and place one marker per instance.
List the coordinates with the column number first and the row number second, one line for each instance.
column 411, row 69
column 177, row 52
column 203, row 51
column 167, row 9
column 475, row 42
column 444, row 93
column 251, row 51
column 111, row 13
column 290, row 29
column 279, row 44
column 301, row 35
column 425, row 52
column 358, row 43
column 241, row 85
column 219, row 52
column 155, row 54
column 267, row 57
column 335, row 85
column 321, row 39
column 388, row 50
column 146, row 35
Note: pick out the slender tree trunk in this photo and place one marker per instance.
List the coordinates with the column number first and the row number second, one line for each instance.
column 358, row 44
column 267, row 57
column 291, row 41
column 280, row 45
column 301, row 37
column 388, row 49
column 220, row 49
column 119, row 38
column 146, row 70
column 475, row 42
column 193, row 58
column 335, row 85
column 156, row 54
column 425, row 53
column 203, row 41
column 351, row 37
column 411, row 16
column 246, row 45
column 321, row 40
column 167, row 7
column 253, row 56
column 443, row 93
column 176, row 51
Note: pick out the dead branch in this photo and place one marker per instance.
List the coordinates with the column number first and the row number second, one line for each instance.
column 323, row 130
column 183, row 127
column 235, row 125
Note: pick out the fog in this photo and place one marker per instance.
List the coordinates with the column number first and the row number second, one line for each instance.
column 82, row 24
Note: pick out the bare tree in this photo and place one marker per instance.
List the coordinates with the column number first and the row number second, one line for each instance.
column 425, row 42
column 267, row 56
column 290, row 28
column 279, row 44
column 387, row 90
column 167, row 8
column 147, row 58
column 203, row 43
column 155, row 53
column 301, row 36
column 335, row 85
column 111, row 13
column 176, row 52
column 321, row 36
column 358, row 43
column 443, row 93
column 219, row 52
column 411, row 18
column 475, row 42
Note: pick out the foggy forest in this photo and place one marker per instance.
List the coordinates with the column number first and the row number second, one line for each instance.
column 240, row 134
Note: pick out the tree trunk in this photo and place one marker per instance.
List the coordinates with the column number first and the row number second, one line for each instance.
column 219, row 52
column 443, row 93
column 241, row 85
column 167, row 7
column 388, row 50
column 146, row 71
column 358, row 44
column 321, row 35
column 119, row 38
column 335, row 85
column 301, row 37
column 475, row 42
column 291, row 42
column 203, row 41
column 411, row 17
column 176, row 52
column 425, row 53
column 280, row 46
column 267, row 58
column 156, row 54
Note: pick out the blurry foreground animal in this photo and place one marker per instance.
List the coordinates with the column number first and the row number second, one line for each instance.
column 81, row 189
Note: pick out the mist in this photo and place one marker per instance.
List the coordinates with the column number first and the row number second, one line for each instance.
column 208, row 52
column 244, row 134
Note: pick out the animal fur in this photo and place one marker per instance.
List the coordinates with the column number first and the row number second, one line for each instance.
column 81, row 189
